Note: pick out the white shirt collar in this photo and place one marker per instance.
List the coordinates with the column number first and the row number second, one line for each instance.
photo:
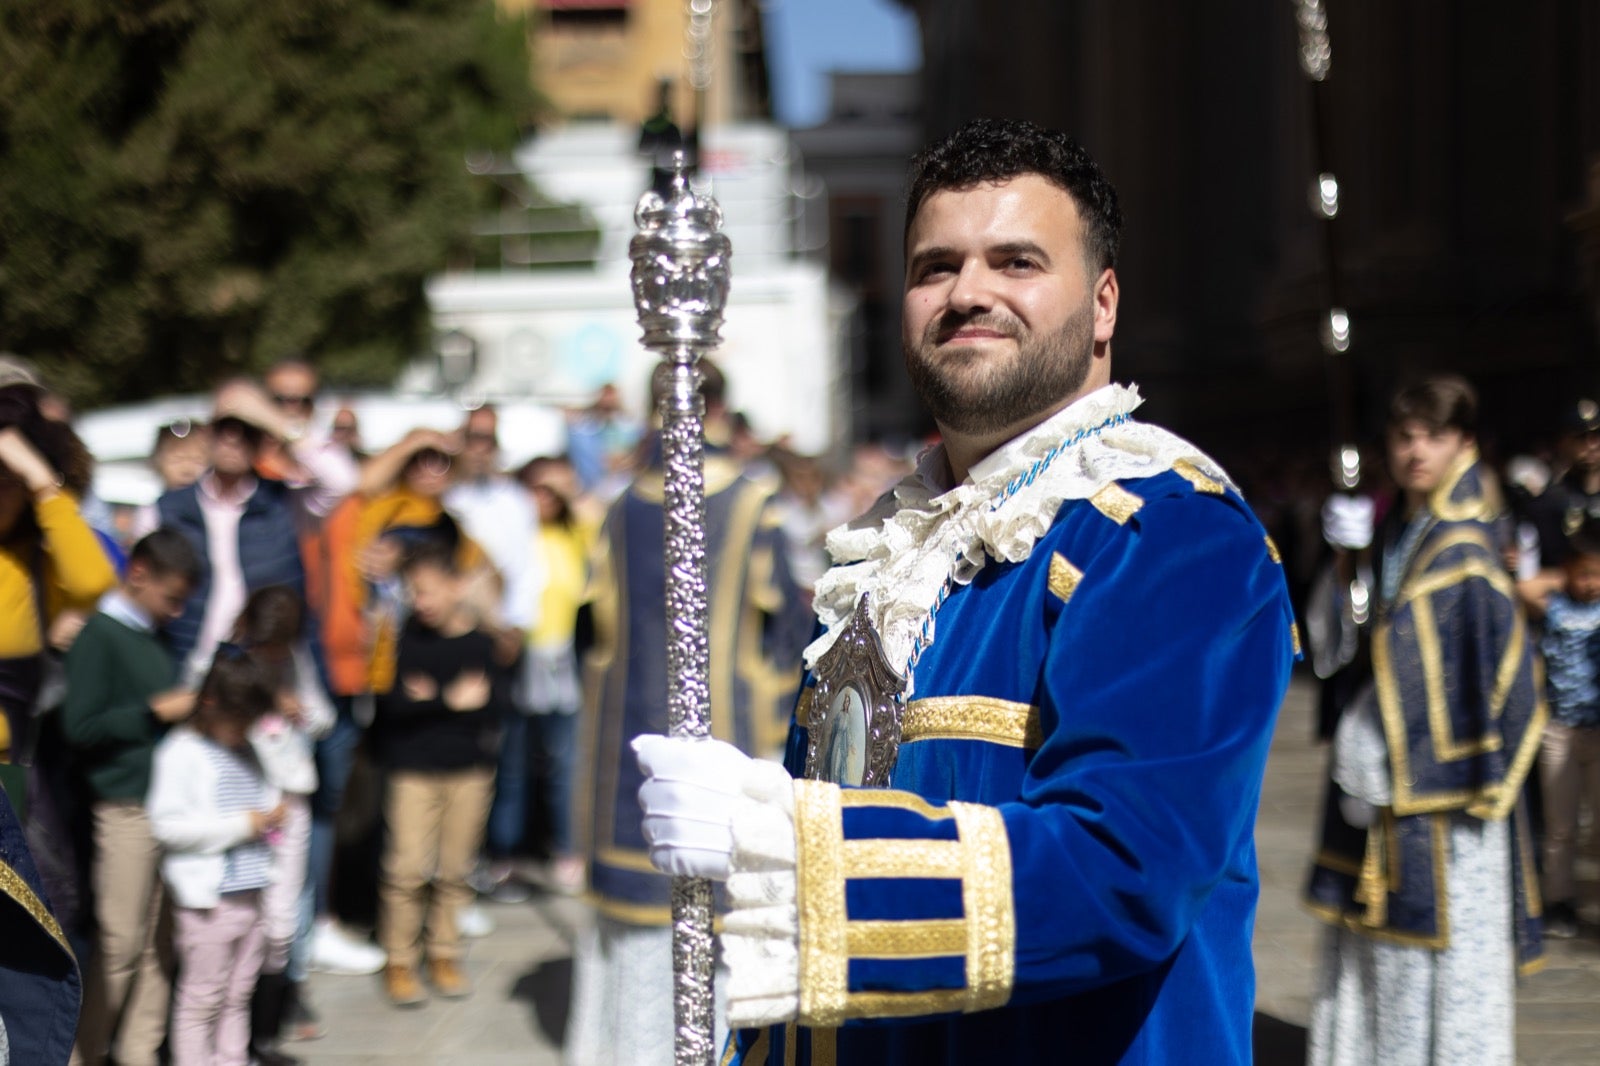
column 118, row 606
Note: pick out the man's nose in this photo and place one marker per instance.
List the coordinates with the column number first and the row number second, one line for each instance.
column 973, row 289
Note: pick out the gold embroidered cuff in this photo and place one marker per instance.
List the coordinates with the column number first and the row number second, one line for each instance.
column 996, row 721
column 984, row 936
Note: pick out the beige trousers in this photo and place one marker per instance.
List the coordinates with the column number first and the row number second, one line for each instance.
column 1569, row 770
column 436, row 825
column 128, row 982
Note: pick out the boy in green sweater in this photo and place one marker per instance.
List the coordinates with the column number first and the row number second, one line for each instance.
column 120, row 700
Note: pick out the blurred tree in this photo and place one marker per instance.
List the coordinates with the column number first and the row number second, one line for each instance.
column 192, row 188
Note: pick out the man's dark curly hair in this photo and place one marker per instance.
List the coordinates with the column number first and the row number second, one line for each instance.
column 994, row 150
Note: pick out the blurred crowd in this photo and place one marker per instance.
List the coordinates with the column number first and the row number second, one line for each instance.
column 216, row 703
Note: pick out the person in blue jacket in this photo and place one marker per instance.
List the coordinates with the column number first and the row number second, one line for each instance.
column 1015, row 820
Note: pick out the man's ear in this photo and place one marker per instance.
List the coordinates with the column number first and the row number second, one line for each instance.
column 1105, row 295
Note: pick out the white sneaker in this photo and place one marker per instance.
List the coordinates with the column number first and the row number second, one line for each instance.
column 472, row 921
column 337, row 952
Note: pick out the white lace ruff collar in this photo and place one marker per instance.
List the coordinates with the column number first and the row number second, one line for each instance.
column 903, row 549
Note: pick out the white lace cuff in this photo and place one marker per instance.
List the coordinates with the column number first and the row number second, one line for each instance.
column 761, row 931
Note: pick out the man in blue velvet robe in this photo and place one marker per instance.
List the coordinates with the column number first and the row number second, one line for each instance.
column 1425, row 871
column 1093, row 636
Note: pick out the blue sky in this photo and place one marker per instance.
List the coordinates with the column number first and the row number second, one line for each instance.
column 808, row 38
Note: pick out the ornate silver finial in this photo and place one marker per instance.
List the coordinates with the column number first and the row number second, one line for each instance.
column 680, row 267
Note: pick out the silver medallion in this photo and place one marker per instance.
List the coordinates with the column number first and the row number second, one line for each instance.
column 853, row 729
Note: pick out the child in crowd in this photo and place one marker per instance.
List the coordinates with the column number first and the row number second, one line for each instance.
column 1569, row 752
column 214, row 812
column 120, row 699
column 439, row 731
column 272, row 627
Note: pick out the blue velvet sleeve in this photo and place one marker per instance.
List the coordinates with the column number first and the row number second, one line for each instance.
column 1131, row 836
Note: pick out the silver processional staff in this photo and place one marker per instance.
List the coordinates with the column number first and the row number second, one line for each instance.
column 680, row 287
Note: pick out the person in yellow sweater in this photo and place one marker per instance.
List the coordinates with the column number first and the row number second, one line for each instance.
column 53, row 568
column 550, row 692
column 401, row 493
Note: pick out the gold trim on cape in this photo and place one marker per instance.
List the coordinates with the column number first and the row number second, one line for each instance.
column 15, row 886
column 982, row 718
column 986, row 898
column 902, row 858
column 1116, row 503
column 824, row 961
column 1191, row 473
column 1064, row 577
column 933, row 938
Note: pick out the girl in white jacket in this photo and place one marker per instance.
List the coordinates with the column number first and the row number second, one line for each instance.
column 212, row 810
column 271, row 626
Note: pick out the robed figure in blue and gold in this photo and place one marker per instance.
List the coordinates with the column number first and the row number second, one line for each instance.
column 1016, row 820
column 757, row 625
column 1063, row 857
column 1425, row 870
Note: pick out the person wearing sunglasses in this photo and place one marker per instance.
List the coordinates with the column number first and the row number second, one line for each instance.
column 246, row 526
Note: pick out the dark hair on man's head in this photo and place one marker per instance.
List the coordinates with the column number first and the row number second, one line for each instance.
column 239, row 685
column 996, row 150
column 1440, row 401
column 430, row 552
column 272, row 615
column 166, row 553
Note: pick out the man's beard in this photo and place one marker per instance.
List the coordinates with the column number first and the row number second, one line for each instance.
column 977, row 393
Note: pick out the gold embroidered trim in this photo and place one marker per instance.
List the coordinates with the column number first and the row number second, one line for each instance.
column 902, row 858
column 905, row 1004
column 825, row 1047
column 1491, row 802
column 983, row 718
column 1446, row 746
column 824, row 962
column 905, row 801
column 802, row 707
column 1192, row 474
column 625, row 859
column 986, row 898
column 1439, row 825
column 1064, row 577
column 13, row 885
column 1272, row 551
column 728, row 1053
column 928, row 939
column 760, row 1050
column 1338, row 863
column 791, row 1037
column 1294, row 636
column 1116, row 503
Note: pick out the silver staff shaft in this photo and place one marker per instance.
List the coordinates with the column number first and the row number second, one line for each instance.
column 680, row 287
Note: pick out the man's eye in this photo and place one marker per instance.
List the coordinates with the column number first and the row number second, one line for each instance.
column 1022, row 262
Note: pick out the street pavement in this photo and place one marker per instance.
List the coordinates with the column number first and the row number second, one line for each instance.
column 523, row 970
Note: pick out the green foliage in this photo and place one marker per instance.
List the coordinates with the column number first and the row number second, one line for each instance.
column 193, row 188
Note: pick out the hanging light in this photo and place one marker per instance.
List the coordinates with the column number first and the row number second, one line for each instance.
column 1336, row 331
column 1325, row 195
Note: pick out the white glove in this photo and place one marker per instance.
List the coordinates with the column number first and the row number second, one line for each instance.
column 1347, row 521
column 688, row 799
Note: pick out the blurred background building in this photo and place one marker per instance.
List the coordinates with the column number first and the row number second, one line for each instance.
column 1462, row 140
